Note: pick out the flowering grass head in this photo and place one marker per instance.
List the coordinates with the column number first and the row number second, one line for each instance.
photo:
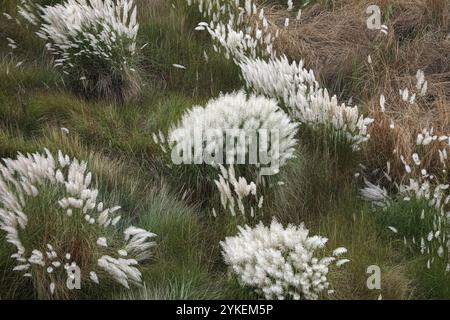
column 94, row 43
column 226, row 129
column 54, row 219
column 238, row 28
column 238, row 195
column 297, row 89
column 280, row 263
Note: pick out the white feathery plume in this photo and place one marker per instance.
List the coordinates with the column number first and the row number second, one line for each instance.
column 375, row 194
column 24, row 177
column 81, row 33
column 297, row 88
column 210, row 126
column 278, row 262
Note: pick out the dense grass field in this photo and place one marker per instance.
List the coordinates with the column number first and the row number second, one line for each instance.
column 177, row 67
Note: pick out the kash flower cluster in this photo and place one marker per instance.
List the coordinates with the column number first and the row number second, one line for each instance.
column 63, row 187
column 297, row 88
column 236, row 191
column 91, row 40
column 280, row 263
column 237, row 26
column 253, row 121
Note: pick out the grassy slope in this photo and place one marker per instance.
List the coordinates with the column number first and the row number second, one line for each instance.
column 34, row 105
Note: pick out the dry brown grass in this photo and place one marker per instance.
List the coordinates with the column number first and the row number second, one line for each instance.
column 335, row 42
column 148, row 8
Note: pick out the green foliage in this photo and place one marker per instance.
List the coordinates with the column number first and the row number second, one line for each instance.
column 171, row 39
